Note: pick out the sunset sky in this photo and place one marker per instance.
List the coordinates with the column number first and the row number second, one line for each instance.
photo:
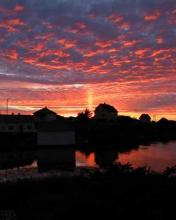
column 74, row 54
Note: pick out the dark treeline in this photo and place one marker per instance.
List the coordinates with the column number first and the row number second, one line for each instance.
column 123, row 130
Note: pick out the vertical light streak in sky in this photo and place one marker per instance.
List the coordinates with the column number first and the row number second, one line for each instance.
column 90, row 99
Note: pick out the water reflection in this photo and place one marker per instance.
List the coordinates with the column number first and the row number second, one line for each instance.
column 105, row 158
column 10, row 160
column 100, row 158
column 85, row 160
column 157, row 156
column 56, row 159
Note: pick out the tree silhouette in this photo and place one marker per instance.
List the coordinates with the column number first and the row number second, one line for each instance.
column 85, row 115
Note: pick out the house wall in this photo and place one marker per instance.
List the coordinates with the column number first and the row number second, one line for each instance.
column 15, row 128
column 50, row 117
column 102, row 114
column 29, row 128
column 47, row 117
column 55, row 138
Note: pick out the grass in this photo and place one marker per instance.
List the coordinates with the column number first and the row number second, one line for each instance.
column 119, row 192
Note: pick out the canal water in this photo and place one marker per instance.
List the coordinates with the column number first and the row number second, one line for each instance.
column 157, row 156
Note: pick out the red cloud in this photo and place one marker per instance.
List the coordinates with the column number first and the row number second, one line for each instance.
column 103, row 44
column 14, row 22
column 78, row 27
column 124, row 25
column 11, row 24
column 129, row 43
column 12, row 54
column 38, row 48
column 153, row 16
column 67, row 43
column 141, row 52
column 116, row 18
column 159, row 40
column 18, row 8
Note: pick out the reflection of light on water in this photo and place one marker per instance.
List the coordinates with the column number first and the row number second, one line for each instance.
column 157, row 156
column 33, row 165
column 18, row 171
column 82, row 160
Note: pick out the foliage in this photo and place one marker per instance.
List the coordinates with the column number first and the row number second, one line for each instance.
column 85, row 115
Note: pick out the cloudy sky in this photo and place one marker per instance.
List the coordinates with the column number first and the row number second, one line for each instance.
column 73, row 54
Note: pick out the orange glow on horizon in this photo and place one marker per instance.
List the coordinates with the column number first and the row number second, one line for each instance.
column 69, row 100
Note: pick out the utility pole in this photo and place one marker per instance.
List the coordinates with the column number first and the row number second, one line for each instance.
column 7, row 106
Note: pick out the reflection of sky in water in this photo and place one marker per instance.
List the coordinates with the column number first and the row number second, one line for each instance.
column 83, row 160
column 157, row 156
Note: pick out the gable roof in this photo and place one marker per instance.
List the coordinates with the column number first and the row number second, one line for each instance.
column 44, row 111
column 106, row 107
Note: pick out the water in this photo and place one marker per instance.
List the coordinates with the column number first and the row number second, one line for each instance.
column 157, row 156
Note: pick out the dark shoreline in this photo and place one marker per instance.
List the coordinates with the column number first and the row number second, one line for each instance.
column 109, row 193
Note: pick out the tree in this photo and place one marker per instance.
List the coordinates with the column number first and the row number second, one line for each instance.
column 85, row 115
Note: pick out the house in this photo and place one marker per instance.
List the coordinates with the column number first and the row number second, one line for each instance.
column 56, row 133
column 17, row 124
column 45, row 114
column 145, row 118
column 55, row 141
column 105, row 112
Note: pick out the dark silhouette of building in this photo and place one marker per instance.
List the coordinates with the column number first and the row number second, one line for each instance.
column 17, row 124
column 145, row 118
column 105, row 112
column 56, row 133
column 45, row 114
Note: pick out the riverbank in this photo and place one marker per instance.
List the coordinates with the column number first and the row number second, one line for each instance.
column 119, row 192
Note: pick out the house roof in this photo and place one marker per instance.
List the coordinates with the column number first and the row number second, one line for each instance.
column 107, row 107
column 145, row 117
column 44, row 111
column 55, row 126
column 16, row 119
